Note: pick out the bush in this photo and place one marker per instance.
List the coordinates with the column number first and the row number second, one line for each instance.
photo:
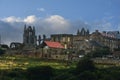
column 12, row 74
column 101, row 52
column 15, row 73
column 40, row 73
column 85, row 64
column 2, row 51
column 63, row 76
column 87, row 75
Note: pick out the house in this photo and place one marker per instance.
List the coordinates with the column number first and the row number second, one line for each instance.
column 53, row 50
column 108, row 40
column 52, row 44
column 65, row 39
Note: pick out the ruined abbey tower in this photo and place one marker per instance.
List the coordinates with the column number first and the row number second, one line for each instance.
column 29, row 36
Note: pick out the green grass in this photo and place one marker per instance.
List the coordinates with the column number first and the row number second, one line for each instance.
column 11, row 62
column 18, row 67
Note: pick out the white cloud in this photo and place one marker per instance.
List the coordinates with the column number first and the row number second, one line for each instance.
column 57, row 23
column 55, row 19
column 11, row 19
column 30, row 19
column 41, row 9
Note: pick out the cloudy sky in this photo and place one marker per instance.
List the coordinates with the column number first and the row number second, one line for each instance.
column 56, row 16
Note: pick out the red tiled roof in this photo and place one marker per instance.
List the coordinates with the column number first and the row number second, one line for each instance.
column 53, row 44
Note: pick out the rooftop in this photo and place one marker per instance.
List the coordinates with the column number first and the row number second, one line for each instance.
column 53, row 44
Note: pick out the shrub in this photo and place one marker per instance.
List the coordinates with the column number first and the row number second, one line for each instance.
column 85, row 64
column 2, row 51
column 40, row 73
column 87, row 75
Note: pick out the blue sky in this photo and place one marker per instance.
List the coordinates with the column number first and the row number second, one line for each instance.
column 89, row 10
column 58, row 16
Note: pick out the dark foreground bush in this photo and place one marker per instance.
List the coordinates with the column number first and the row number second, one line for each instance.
column 85, row 64
column 87, row 75
column 13, row 74
column 2, row 51
column 40, row 73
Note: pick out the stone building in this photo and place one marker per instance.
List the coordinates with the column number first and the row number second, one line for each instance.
column 53, row 50
column 74, row 43
column 29, row 37
column 80, row 41
column 81, row 35
column 83, row 32
column 106, row 39
column 82, row 47
column 16, row 45
column 65, row 39
column 88, row 42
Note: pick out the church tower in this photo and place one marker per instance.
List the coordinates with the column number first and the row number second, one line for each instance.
column 29, row 37
column 83, row 32
column 88, row 32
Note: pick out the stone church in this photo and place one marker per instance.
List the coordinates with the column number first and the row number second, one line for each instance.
column 29, row 36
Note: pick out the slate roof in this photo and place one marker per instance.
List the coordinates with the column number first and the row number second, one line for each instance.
column 112, row 34
column 94, row 43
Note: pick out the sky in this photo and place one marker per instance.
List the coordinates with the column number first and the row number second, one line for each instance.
column 56, row 16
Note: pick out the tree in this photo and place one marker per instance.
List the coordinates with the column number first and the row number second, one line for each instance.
column 101, row 52
column 85, row 64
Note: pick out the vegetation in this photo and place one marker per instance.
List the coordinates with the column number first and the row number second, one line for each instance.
column 2, row 51
column 85, row 64
column 101, row 52
column 22, row 68
column 11, row 62
column 40, row 73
